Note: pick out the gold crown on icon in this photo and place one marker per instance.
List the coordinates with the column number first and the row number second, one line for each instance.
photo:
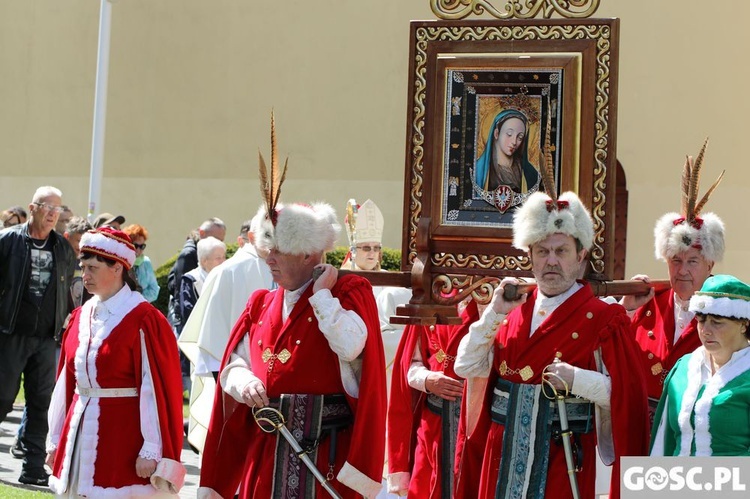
column 521, row 102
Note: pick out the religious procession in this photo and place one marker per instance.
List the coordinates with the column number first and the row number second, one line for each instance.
column 505, row 354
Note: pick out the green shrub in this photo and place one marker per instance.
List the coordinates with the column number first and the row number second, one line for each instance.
column 391, row 261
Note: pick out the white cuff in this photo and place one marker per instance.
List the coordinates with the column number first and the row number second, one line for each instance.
column 150, row 451
column 417, row 376
column 358, row 481
column 398, row 483
column 169, row 476
column 592, row 385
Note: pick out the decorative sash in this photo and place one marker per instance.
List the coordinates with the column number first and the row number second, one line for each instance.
column 530, row 420
column 449, row 413
column 310, row 418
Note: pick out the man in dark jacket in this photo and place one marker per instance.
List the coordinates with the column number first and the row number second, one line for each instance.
column 187, row 260
column 36, row 271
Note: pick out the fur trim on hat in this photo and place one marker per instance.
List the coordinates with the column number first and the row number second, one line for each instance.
column 673, row 235
column 723, row 307
column 109, row 243
column 722, row 295
column 540, row 217
column 300, row 229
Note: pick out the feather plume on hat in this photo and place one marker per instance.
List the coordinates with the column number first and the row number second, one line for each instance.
column 270, row 185
column 675, row 233
column 292, row 228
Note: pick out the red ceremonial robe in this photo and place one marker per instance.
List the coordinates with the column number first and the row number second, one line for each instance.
column 653, row 326
column 415, row 432
column 237, row 451
column 580, row 326
column 109, row 429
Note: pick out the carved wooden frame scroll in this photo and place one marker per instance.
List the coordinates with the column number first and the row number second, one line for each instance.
column 454, row 247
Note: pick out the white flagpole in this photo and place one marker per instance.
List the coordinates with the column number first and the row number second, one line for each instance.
column 100, row 109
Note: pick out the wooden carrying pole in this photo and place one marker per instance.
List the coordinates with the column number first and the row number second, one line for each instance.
column 601, row 288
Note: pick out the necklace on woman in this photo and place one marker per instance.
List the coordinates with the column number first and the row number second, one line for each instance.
column 40, row 246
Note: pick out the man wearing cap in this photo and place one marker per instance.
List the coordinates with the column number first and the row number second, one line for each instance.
column 108, row 220
column 36, row 272
column 310, row 349
column 704, row 408
column 206, row 333
column 559, row 335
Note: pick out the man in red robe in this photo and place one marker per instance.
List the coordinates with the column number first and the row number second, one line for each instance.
column 663, row 326
column 312, row 350
column 559, row 335
column 423, row 409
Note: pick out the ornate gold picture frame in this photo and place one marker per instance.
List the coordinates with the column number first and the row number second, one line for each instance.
column 463, row 75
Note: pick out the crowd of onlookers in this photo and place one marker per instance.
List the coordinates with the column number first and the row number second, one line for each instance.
column 48, row 235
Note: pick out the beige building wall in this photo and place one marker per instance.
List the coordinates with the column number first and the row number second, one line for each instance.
column 192, row 83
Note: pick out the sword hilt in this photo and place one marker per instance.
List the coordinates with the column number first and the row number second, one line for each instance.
column 269, row 420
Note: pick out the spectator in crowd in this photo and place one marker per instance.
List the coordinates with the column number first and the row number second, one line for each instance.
column 76, row 227
column 115, row 421
column 13, row 216
column 63, row 219
column 211, row 253
column 109, row 220
column 187, row 260
column 206, row 333
column 36, row 272
column 144, row 271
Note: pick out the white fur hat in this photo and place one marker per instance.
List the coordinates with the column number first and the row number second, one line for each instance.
column 673, row 234
column 299, row 229
column 705, row 232
column 540, row 216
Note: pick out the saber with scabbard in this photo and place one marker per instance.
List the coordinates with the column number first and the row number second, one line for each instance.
column 270, row 420
column 565, row 432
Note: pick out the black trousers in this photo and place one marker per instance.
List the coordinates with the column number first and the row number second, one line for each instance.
column 34, row 357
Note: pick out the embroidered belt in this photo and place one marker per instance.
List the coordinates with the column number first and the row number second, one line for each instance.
column 311, row 419
column 580, row 411
column 435, row 404
column 106, row 392
column 335, row 409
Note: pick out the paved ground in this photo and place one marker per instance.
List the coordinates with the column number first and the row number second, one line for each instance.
column 10, row 468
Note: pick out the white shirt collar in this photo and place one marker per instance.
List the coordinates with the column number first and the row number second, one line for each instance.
column 737, row 356
column 291, row 298
column 114, row 305
column 545, row 305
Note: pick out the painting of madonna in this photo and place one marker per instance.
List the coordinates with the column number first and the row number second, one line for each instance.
column 503, row 176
